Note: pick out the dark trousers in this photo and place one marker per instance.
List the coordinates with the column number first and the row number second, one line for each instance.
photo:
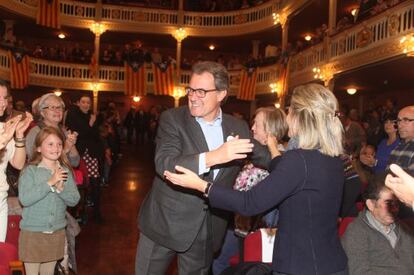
column 154, row 259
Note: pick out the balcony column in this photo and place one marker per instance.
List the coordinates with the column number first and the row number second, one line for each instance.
column 179, row 35
column 98, row 15
column 255, row 48
column 180, row 12
column 95, row 100
column 332, row 16
column 285, row 34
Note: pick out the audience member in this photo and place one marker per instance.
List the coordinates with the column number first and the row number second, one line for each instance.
column 376, row 242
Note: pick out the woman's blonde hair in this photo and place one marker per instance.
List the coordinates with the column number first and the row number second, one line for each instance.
column 274, row 121
column 40, row 138
column 315, row 119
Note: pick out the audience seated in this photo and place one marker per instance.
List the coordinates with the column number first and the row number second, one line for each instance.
column 376, row 242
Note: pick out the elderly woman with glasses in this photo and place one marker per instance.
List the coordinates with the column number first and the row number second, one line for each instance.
column 51, row 109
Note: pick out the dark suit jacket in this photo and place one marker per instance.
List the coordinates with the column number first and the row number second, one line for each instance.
column 307, row 187
column 171, row 215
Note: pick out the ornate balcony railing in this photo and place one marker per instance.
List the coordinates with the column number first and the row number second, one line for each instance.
column 111, row 78
column 125, row 18
column 360, row 43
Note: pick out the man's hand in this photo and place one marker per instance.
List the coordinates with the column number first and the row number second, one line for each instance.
column 368, row 160
column 233, row 149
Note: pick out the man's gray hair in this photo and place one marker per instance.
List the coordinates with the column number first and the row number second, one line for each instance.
column 219, row 72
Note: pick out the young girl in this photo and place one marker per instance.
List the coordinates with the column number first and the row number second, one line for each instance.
column 46, row 188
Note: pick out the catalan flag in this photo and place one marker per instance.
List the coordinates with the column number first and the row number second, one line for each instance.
column 135, row 79
column 19, row 70
column 163, row 78
column 247, row 90
column 48, row 13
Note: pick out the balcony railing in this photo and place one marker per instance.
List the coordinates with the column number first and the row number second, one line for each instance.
column 367, row 35
column 77, row 76
column 79, row 14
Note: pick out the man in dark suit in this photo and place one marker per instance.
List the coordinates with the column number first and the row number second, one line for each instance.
column 178, row 221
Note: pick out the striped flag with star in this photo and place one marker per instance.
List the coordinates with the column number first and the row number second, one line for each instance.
column 163, row 78
column 19, row 70
column 48, row 13
column 135, row 79
column 284, row 67
column 247, row 89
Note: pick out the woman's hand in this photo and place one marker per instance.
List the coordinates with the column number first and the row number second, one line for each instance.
column 272, row 145
column 71, row 138
column 58, row 178
column 186, row 178
column 8, row 131
column 92, row 120
column 22, row 125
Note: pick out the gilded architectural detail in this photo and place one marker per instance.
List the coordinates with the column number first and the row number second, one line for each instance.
column 115, row 14
column 79, row 11
column 364, row 37
column 240, row 19
column 32, row 68
column 393, row 24
column 341, row 46
column 140, row 16
column 197, row 20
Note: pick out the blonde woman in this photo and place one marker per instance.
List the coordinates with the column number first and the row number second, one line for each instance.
column 305, row 183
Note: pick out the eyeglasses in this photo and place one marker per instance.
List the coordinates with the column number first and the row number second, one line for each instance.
column 404, row 120
column 199, row 92
column 55, row 108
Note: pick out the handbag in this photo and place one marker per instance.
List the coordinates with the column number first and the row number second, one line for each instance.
column 12, row 177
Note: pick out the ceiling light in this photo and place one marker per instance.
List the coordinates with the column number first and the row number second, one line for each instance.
column 61, row 35
column 351, row 91
column 136, row 98
column 354, row 12
column 308, row 37
column 211, row 47
column 58, row 92
column 277, row 105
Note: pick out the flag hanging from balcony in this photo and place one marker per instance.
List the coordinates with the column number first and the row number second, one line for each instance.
column 19, row 70
column 135, row 79
column 48, row 13
column 93, row 67
column 247, row 89
column 163, row 78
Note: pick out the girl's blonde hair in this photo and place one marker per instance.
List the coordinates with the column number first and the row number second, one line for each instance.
column 274, row 121
column 40, row 138
column 315, row 119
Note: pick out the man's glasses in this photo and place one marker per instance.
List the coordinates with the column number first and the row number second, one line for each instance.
column 199, row 92
column 55, row 108
column 404, row 120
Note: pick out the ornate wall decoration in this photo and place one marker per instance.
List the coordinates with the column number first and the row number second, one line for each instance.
column 32, row 68
column 79, row 11
column 364, row 37
column 140, row 16
column 113, row 76
column 300, row 62
column 76, row 73
column 115, row 14
column 163, row 18
column 197, row 20
column 393, row 24
column 240, row 19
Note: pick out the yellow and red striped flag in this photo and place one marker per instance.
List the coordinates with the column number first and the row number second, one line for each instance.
column 19, row 70
column 135, row 79
column 48, row 13
column 247, row 89
column 163, row 78
column 93, row 67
